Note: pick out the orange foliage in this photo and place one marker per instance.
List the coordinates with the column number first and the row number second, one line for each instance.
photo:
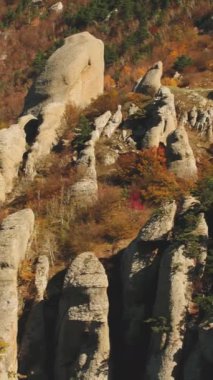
column 108, row 221
column 108, row 82
column 148, row 171
column 107, row 101
column 173, row 82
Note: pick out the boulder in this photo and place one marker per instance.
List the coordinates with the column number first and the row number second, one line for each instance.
column 57, row 7
column 15, row 234
column 150, row 83
column 180, row 156
column 82, row 350
column 73, row 74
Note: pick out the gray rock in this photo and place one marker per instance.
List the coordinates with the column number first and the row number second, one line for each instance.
column 82, row 350
column 57, row 7
column 151, row 82
column 114, row 123
column 15, row 234
column 139, row 269
column 73, row 74
column 180, row 156
column 32, row 354
column 174, row 295
column 161, row 120
column 41, row 277
column 85, row 191
column 12, row 148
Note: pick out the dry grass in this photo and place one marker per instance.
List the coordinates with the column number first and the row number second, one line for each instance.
column 112, row 219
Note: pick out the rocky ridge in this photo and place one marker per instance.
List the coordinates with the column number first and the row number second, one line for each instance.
column 164, row 258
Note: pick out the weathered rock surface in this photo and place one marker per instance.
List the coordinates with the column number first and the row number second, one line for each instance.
column 73, row 74
column 15, row 234
column 85, row 191
column 82, row 350
column 161, row 119
column 150, row 83
column 202, row 121
column 180, row 156
column 12, row 148
column 174, row 295
column 57, row 7
column 114, row 123
column 139, row 269
column 32, row 355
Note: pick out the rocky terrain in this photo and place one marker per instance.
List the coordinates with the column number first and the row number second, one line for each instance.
column 141, row 309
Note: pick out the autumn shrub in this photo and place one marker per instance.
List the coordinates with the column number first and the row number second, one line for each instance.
column 26, row 278
column 108, row 101
column 173, row 82
column 108, row 221
column 147, row 170
column 71, row 120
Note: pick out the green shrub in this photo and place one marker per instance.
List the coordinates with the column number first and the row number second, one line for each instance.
column 182, row 62
column 205, row 303
column 158, row 325
column 83, row 130
column 39, row 62
column 111, row 54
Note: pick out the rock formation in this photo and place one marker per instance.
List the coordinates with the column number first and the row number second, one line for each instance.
column 16, row 231
column 202, row 121
column 114, row 123
column 12, row 148
column 139, row 265
column 85, row 191
column 174, row 294
column 181, row 160
column 161, row 119
column 82, row 348
column 73, row 74
column 150, row 83
column 32, row 355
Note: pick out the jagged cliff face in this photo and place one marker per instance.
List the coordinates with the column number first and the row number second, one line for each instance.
column 134, row 314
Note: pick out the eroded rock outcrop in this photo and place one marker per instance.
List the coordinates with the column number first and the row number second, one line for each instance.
column 161, row 119
column 32, row 355
column 15, row 234
column 150, row 83
column 73, row 74
column 82, row 347
column 139, row 269
column 12, row 148
column 114, row 123
column 181, row 160
column 202, row 121
column 85, row 190
column 174, row 293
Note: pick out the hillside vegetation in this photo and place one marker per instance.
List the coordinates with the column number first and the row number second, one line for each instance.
column 177, row 32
